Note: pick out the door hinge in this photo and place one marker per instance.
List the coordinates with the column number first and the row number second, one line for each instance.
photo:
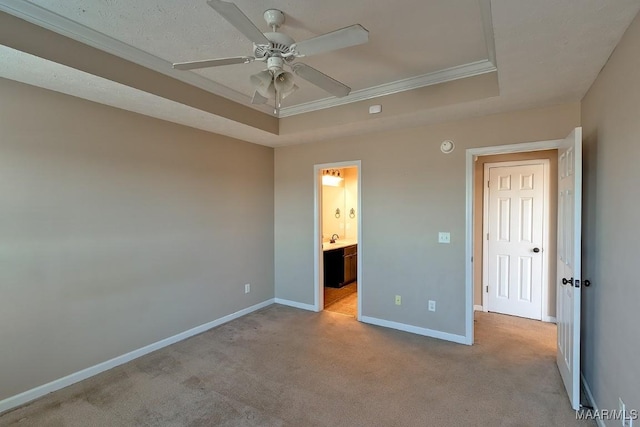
column 487, row 236
column 487, row 184
column 487, row 288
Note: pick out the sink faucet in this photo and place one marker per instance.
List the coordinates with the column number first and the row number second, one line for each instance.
column 334, row 238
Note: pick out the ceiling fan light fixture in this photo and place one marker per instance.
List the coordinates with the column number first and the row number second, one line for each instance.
column 263, row 84
column 283, row 82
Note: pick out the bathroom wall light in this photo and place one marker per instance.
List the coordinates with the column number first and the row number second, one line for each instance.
column 331, row 177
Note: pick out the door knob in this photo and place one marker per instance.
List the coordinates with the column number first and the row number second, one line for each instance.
column 565, row 281
column 536, row 250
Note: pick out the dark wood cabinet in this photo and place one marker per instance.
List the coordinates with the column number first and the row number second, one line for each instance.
column 334, row 268
column 350, row 264
column 340, row 266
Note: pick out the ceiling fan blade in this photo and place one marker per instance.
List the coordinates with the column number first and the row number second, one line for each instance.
column 212, row 62
column 349, row 36
column 258, row 99
column 234, row 15
column 321, row 80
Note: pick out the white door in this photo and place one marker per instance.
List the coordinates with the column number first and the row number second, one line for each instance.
column 569, row 262
column 515, row 235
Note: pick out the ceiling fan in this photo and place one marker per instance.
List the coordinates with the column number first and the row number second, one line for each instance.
column 277, row 50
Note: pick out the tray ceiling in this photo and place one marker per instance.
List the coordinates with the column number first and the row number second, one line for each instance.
column 547, row 52
column 406, row 43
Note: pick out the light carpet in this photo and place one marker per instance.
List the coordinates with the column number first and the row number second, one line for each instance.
column 282, row 366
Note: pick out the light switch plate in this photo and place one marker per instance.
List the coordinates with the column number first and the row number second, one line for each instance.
column 444, row 237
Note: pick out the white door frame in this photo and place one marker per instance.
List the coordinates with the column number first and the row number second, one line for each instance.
column 546, row 221
column 471, row 154
column 318, row 258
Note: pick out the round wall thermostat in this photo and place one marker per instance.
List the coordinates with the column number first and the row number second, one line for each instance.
column 446, row 146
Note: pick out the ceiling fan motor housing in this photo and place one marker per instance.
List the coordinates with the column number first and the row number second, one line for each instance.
column 279, row 46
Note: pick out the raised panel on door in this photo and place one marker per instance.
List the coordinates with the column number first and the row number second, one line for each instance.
column 525, row 279
column 526, row 220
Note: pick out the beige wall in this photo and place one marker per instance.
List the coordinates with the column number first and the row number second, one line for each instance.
column 118, row 230
column 611, row 209
column 351, row 202
column 552, row 156
column 395, row 105
column 31, row 38
column 409, row 191
column 332, row 199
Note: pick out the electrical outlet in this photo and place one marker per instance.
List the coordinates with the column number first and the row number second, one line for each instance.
column 398, row 300
column 444, row 237
column 432, row 305
column 247, row 288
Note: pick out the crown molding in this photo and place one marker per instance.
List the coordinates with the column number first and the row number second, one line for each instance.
column 59, row 24
column 437, row 77
column 487, row 27
column 449, row 74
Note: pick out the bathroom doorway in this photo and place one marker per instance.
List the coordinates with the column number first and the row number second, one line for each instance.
column 337, row 238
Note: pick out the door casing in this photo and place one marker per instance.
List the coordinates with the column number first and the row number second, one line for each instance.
column 471, row 155
column 318, row 261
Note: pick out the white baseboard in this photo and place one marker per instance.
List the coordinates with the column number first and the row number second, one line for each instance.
column 460, row 339
column 34, row 393
column 592, row 401
column 295, row 304
column 549, row 319
column 477, row 307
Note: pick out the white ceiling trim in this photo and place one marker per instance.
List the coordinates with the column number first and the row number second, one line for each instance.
column 62, row 25
column 487, row 26
column 442, row 76
column 76, row 31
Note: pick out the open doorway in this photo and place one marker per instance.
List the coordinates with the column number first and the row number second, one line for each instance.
column 568, row 249
column 338, row 243
column 475, row 159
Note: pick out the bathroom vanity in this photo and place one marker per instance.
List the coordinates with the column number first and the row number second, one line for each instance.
column 340, row 263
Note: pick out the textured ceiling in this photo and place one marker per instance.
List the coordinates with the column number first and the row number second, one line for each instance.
column 548, row 52
column 419, row 38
